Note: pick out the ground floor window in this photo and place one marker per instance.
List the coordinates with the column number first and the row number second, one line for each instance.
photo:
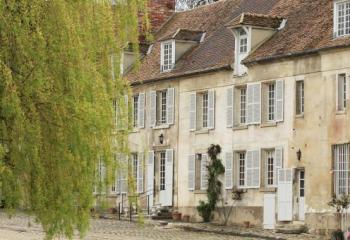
column 270, row 168
column 241, row 169
column 162, row 171
column 341, row 167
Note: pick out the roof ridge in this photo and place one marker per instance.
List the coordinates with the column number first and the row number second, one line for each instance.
column 202, row 6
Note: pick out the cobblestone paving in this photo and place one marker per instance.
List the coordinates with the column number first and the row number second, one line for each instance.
column 17, row 228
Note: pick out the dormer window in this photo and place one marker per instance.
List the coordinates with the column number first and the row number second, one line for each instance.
column 243, row 41
column 341, row 18
column 167, row 56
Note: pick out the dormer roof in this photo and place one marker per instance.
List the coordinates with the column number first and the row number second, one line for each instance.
column 256, row 20
column 184, row 35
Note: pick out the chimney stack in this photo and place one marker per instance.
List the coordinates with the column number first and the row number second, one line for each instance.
column 159, row 12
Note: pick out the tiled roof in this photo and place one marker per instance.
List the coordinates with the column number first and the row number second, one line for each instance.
column 309, row 28
column 184, row 35
column 257, row 20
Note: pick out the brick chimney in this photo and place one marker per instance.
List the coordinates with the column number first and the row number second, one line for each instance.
column 159, row 12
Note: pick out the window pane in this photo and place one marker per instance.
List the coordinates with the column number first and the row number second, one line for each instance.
column 136, row 102
column 299, row 97
column 241, row 169
column 243, row 105
column 162, row 171
column 205, row 109
column 271, row 102
column 341, row 169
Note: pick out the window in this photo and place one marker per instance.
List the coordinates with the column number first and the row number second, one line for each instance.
column 341, row 92
column 198, row 172
column 243, row 96
column 271, row 102
column 167, row 55
column 161, row 100
column 341, row 168
column 134, row 165
column 243, row 41
column 270, row 168
column 205, row 109
column 342, row 18
column 299, row 97
column 241, row 169
column 162, row 107
column 121, row 113
column 162, row 158
column 135, row 110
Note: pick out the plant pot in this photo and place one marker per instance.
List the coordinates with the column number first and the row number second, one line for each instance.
column 176, row 216
column 246, row 224
column 186, row 218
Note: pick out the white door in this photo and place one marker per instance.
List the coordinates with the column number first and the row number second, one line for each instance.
column 150, row 177
column 269, row 211
column 166, row 178
column 285, row 195
column 301, row 195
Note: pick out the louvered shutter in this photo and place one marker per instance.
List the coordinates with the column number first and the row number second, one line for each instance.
column 193, row 113
column 278, row 163
column 191, row 172
column 124, row 175
column 279, row 100
column 170, row 105
column 229, row 107
column 211, row 109
column 141, row 111
column 257, row 103
column 204, row 172
column 139, row 181
column 250, row 104
column 161, row 57
column 150, row 176
column 252, row 169
column 285, row 195
column 169, row 163
column 228, row 170
column 153, row 108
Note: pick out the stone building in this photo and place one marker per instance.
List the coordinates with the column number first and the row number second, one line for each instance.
column 267, row 80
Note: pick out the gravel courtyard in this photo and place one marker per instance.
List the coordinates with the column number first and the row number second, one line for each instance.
column 17, row 228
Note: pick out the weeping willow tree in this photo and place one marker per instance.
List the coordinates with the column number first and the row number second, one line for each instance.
column 56, row 91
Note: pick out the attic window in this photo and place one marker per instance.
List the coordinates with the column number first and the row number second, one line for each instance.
column 167, row 56
column 243, row 41
column 341, row 18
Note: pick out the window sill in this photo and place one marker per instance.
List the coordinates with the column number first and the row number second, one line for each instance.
column 202, row 131
column 299, row 115
column 200, row 192
column 240, row 127
column 268, row 124
column 268, row 189
column 135, row 130
column 340, row 112
column 164, row 126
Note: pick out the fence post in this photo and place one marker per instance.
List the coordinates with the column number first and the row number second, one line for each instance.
column 148, row 204
column 119, row 210
column 130, row 210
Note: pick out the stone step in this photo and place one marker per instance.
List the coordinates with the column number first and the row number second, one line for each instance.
column 291, row 228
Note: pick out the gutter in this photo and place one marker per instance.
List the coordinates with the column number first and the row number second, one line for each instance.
column 225, row 67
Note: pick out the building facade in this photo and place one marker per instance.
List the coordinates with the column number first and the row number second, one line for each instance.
column 269, row 81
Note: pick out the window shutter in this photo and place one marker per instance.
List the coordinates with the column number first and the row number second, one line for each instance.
column 141, row 111
column 229, row 107
column 170, row 105
column 161, row 56
column 125, row 120
column 140, row 173
column 285, row 195
column 228, row 170
column 124, row 175
column 211, row 109
column 279, row 100
column 257, row 103
column 250, row 105
column 278, row 162
column 169, row 163
column 193, row 114
column 153, row 108
column 253, row 169
column 204, row 172
column 150, row 176
column 191, row 172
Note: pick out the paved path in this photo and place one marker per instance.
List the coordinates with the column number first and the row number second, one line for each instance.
column 17, row 228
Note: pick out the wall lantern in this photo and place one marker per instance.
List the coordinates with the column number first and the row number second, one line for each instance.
column 161, row 138
column 299, row 155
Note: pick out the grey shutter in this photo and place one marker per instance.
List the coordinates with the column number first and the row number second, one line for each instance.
column 124, row 175
column 169, row 166
column 193, row 113
column 279, row 100
column 228, row 170
column 141, row 111
column 211, row 109
column 139, row 181
column 150, row 176
column 191, row 172
column 257, row 103
column 252, row 169
column 170, row 105
column 256, row 169
column 278, row 162
column 153, row 108
column 250, row 104
column 229, row 107
column 204, row 172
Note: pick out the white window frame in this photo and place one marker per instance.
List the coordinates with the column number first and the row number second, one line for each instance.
column 162, row 164
column 299, row 97
column 243, row 105
column 270, row 168
column 271, row 101
column 167, row 61
column 240, row 69
column 345, row 29
column 241, row 158
column 341, row 104
column 205, row 109
column 135, row 111
column 341, row 169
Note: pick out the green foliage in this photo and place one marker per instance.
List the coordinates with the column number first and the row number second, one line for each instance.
column 56, row 115
column 341, row 203
column 215, row 169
